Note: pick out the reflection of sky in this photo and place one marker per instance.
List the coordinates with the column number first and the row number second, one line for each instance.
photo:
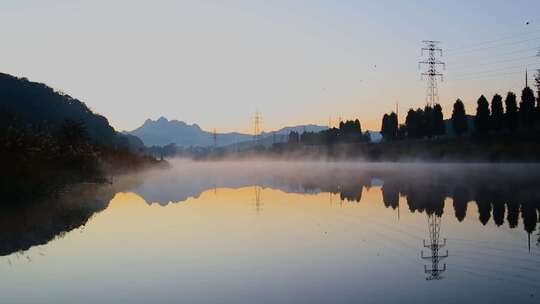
column 299, row 249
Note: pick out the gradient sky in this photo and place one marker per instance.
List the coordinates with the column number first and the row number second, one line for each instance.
column 215, row 62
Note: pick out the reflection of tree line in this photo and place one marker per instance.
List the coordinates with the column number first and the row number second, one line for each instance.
column 501, row 200
column 38, row 221
column 503, row 197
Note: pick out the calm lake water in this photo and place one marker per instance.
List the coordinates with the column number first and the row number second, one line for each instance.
column 271, row 232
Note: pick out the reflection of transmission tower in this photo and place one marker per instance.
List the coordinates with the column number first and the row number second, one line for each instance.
column 434, row 226
column 257, row 128
column 258, row 203
column 432, row 94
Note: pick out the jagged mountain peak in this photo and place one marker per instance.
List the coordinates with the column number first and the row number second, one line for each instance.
column 163, row 131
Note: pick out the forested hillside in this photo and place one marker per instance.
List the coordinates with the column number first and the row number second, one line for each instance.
column 48, row 138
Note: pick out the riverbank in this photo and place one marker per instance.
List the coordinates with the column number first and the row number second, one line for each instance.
column 32, row 175
column 469, row 149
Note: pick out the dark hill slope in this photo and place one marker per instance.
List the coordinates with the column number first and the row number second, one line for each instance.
column 38, row 105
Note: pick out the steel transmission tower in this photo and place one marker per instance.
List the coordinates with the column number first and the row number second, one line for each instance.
column 258, row 203
column 257, row 128
column 434, row 227
column 431, row 63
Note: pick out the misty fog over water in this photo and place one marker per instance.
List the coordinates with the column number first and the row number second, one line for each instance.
column 281, row 232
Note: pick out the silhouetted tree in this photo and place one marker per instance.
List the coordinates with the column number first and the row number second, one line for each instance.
column 415, row 123
column 350, row 131
column 438, row 120
column 410, row 123
column 498, row 212
column 537, row 85
column 459, row 118
column 513, row 213
column 528, row 214
column 481, row 120
column 390, row 194
column 526, row 108
column 402, row 131
column 511, row 115
column 330, row 136
column 73, row 132
column 385, row 126
column 460, row 202
column 426, row 122
column 294, row 138
column 311, row 138
column 389, row 127
column 484, row 205
column 497, row 113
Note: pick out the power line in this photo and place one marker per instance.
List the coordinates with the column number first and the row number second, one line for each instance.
column 494, row 46
column 499, row 61
column 492, row 41
column 488, row 76
column 502, row 54
column 499, row 69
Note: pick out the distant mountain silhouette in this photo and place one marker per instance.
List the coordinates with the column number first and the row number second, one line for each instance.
column 162, row 132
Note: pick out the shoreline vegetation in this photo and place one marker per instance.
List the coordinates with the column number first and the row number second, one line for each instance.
column 50, row 140
column 420, row 150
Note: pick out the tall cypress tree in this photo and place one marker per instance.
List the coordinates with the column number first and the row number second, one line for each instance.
column 459, row 118
column 389, row 126
column 511, row 116
column 526, row 108
column 412, row 123
column 357, row 126
column 393, row 124
column 481, row 119
column 537, row 85
column 384, row 126
column 438, row 120
column 497, row 113
column 427, row 121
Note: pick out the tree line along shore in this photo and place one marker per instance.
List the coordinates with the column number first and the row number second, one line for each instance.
column 502, row 129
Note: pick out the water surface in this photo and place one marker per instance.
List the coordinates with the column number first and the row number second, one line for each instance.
column 255, row 232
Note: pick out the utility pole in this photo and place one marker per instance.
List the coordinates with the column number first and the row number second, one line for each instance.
column 397, row 112
column 214, row 135
column 257, row 128
column 526, row 78
column 397, row 127
column 434, row 227
column 432, row 62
